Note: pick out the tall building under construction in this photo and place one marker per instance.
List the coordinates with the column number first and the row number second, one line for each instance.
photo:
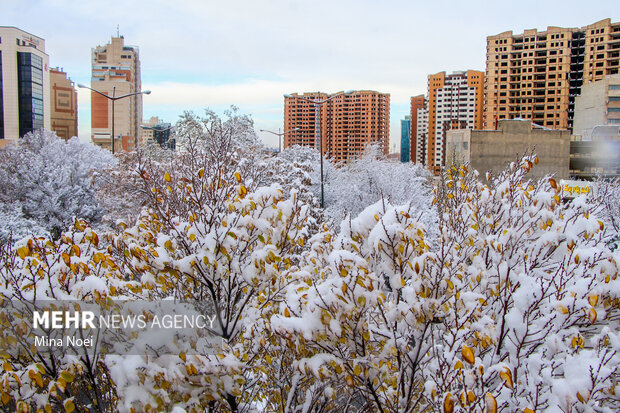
column 537, row 75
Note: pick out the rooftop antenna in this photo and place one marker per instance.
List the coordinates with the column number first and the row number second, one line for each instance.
column 117, row 31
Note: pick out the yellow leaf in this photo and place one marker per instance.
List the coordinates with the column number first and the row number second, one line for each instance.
column 167, row 177
column 553, row 183
column 593, row 300
column 343, row 272
column 471, row 397
column 448, row 403
column 5, row 398
column 468, row 355
column 201, row 172
column 528, row 410
column 69, row 406
column 344, row 288
column 592, row 315
column 506, row 375
column 491, row 403
column 357, row 370
column 68, row 377
column 23, row 252
column 287, row 313
column 238, row 176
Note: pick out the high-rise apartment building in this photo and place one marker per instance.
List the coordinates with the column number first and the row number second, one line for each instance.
column 63, row 108
column 601, row 50
column 421, row 134
column 454, row 102
column 417, row 102
column 537, row 75
column 116, row 72
column 405, row 139
column 24, row 84
column 347, row 122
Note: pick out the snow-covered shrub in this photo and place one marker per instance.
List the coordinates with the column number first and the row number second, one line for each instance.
column 514, row 307
column 48, row 181
column 32, row 272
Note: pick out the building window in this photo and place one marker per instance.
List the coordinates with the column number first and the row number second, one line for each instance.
column 30, row 92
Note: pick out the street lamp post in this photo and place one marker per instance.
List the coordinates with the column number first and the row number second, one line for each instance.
column 317, row 128
column 279, row 135
column 114, row 98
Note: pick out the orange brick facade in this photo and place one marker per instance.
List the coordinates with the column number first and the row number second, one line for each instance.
column 348, row 122
column 417, row 102
column 63, row 105
column 537, row 75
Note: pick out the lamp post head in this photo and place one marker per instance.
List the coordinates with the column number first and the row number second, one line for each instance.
column 82, row 86
column 288, row 96
column 146, row 92
column 348, row 92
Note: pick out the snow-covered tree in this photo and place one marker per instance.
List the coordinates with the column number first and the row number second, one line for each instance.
column 48, row 181
column 498, row 297
column 351, row 187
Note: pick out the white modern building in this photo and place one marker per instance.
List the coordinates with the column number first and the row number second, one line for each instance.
column 598, row 104
column 421, row 134
column 24, row 84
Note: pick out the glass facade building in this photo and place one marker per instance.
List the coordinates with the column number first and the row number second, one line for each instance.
column 24, row 84
column 30, row 91
column 405, row 138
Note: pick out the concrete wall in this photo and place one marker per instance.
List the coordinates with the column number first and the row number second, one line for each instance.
column 493, row 150
column 590, row 107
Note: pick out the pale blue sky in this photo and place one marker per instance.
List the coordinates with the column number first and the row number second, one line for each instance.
column 204, row 53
